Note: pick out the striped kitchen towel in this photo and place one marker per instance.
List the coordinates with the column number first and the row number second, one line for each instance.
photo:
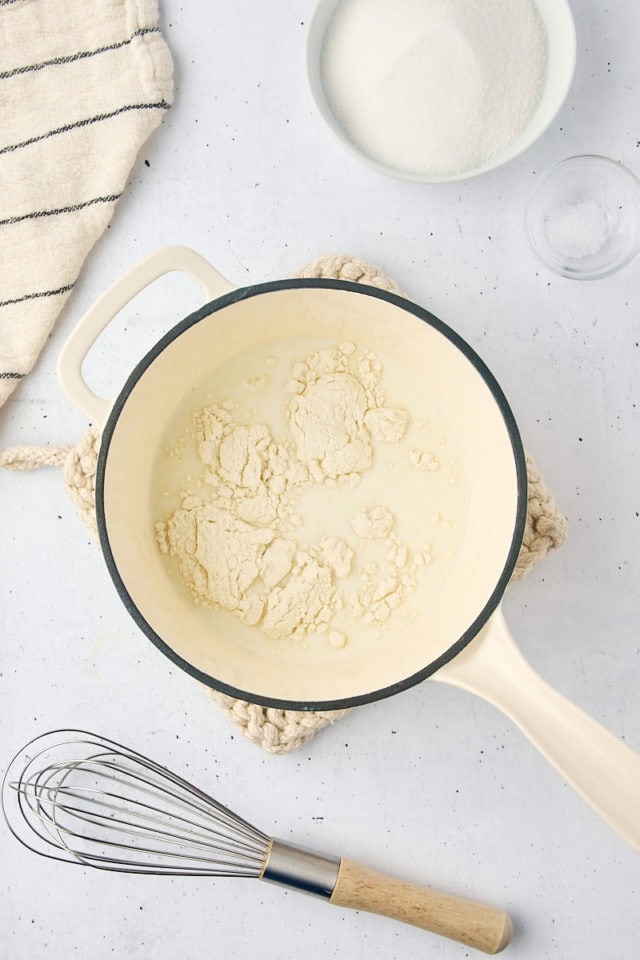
column 83, row 83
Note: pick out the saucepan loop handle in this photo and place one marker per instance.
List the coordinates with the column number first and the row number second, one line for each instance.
column 109, row 305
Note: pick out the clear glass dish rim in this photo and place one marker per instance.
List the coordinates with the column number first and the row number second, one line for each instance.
column 549, row 172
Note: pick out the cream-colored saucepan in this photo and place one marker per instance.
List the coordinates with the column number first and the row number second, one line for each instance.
column 460, row 638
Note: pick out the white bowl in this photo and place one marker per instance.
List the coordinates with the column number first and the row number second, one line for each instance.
column 561, row 60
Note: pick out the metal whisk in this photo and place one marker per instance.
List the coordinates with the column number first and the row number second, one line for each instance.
column 76, row 797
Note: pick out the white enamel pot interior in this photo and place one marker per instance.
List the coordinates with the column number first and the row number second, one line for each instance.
column 460, row 637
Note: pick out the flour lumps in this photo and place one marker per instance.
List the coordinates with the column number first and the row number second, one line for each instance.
column 336, row 413
column 384, row 590
column 373, row 522
column 235, row 537
column 327, row 420
column 306, row 601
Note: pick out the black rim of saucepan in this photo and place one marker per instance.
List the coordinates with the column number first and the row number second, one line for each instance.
column 246, row 293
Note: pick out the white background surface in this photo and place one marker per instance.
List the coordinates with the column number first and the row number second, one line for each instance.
column 434, row 784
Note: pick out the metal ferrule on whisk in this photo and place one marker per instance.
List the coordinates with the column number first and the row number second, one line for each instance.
column 304, row 870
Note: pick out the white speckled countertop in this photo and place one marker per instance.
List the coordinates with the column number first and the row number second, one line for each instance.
column 433, row 785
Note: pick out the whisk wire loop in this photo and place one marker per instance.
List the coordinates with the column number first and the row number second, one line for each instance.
column 102, row 805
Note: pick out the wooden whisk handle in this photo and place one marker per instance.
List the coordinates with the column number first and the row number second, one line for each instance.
column 474, row 924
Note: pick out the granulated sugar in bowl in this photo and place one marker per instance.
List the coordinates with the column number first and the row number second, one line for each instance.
column 439, row 90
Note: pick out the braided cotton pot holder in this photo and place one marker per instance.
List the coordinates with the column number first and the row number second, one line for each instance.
column 279, row 731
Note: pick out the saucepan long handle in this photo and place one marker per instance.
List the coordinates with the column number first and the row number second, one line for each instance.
column 475, row 924
column 110, row 303
column 603, row 769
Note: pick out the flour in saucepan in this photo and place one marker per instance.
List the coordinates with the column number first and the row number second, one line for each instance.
column 235, row 536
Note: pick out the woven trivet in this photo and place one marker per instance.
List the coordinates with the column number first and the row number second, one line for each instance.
column 279, row 731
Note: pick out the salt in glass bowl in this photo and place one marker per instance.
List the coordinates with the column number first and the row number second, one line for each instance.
column 582, row 219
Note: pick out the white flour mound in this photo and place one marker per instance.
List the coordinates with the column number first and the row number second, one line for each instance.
column 434, row 87
column 233, row 539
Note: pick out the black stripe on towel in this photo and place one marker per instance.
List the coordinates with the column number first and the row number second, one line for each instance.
column 52, row 213
column 159, row 105
column 81, row 55
column 6, row 3
column 5, row 375
column 36, row 296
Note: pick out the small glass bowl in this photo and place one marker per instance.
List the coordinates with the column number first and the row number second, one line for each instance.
column 582, row 219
